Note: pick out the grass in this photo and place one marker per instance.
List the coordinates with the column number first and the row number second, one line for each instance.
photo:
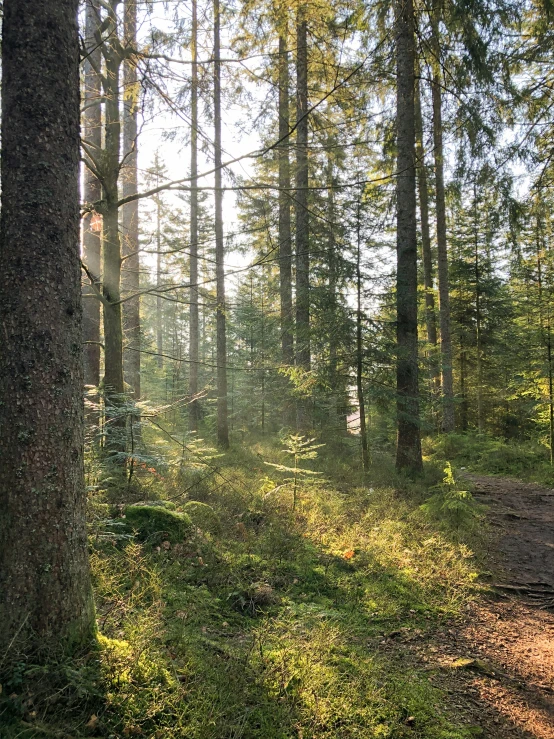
column 481, row 453
column 264, row 623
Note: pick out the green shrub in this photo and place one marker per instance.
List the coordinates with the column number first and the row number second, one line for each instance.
column 450, row 504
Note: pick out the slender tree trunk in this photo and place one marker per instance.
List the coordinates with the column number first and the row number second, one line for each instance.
column 448, row 418
column 92, row 193
column 464, row 423
column 285, row 245
column 222, row 413
column 477, row 267
column 430, row 315
column 408, row 447
column 193, row 315
column 45, row 592
column 303, row 355
column 359, row 350
column 545, row 331
column 113, row 330
column 285, row 242
column 159, row 308
column 302, row 216
column 130, row 211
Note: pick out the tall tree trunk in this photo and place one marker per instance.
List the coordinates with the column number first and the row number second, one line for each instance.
column 408, row 447
column 285, row 242
column 545, row 331
column 222, row 413
column 285, row 246
column 303, row 356
column 113, row 330
column 478, row 339
column 130, row 211
column 92, row 135
column 430, row 315
column 359, row 349
column 464, row 409
column 339, row 400
column 448, row 418
column 193, row 315
column 159, row 309
column 45, row 593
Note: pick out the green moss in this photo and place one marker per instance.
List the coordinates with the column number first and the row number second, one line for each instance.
column 203, row 516
column 155, row 524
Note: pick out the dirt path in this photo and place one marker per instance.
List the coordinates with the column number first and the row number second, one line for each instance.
column 498, row 662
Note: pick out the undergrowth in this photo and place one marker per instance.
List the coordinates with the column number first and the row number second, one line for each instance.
column 264, row 622
column 480, row 453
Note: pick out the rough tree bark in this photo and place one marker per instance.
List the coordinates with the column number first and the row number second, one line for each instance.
column 92, row 192
column 45, row 593
column 408, row 446
column 222, row 413
column 193, row 315
column 130, row 211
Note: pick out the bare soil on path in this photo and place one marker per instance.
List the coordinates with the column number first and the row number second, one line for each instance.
column 497, row 662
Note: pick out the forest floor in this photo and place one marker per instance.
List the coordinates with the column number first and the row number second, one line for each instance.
column 358, row 614
column 501, row 651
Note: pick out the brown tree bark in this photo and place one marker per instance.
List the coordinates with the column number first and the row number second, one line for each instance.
column 408, row 445
column 221, row 339
column 194, row 335
column 45, row 593
column 448, row 417
column 130, row 211
column 92, row 192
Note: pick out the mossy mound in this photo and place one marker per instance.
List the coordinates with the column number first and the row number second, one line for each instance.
column 203, row 516
column 156, row 524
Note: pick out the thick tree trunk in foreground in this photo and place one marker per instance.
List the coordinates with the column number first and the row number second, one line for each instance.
column 45, row 592
column 194, row 326
column 448, row 418
column 408, row 447
column 130, row 211
column 92, row 135
column 222, row 413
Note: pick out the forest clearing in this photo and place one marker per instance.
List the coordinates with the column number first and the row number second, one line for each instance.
column 276, row 369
